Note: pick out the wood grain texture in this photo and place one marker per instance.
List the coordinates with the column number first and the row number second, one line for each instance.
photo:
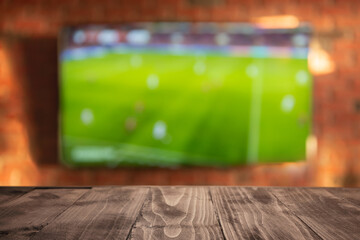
column 28, row 214
column 177, row 213
column 254, row 213
column 348, row 194
column 102, row 213
column 9, row 193
column 328, row 215
column 180, row 213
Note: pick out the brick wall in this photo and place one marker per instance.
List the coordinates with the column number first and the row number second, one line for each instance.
column 28, row 90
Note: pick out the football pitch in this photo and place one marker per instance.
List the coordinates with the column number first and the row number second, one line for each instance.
column 149, row 108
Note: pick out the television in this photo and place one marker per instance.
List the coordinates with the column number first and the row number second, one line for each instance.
column 179, row 93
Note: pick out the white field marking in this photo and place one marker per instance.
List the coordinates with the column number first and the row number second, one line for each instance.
column 159, row 130
column 92, row 153
column 255, row 111
column 144, row 151
column 288, row 103
column 87, row 116
column 136, row 61
column 199, row 67
column 302, row 77
column 152, row 81
column 252, row 71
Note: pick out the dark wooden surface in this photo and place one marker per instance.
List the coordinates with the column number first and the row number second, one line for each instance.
column 179, row 213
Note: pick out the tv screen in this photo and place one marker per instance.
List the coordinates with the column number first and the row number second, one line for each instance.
column 169, row 94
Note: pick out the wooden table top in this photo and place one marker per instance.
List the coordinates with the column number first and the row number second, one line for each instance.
column 179, row 213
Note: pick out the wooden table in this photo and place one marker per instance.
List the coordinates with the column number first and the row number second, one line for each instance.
column 179, row 213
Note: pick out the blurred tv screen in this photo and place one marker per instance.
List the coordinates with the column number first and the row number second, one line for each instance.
column 168, row 94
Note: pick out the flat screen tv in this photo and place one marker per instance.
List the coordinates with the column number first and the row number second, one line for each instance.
column 170, row 94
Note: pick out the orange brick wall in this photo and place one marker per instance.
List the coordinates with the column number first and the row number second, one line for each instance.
column 28, row 104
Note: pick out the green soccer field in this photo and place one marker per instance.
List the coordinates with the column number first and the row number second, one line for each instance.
column 148, row 108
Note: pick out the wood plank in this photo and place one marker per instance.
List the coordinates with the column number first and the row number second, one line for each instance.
column 63, row 187
column 102, row 213
column 254, row 213
column 9, row 193
column 328, row 215
column 177, row 213
column 26, row 215
column 349, row 194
